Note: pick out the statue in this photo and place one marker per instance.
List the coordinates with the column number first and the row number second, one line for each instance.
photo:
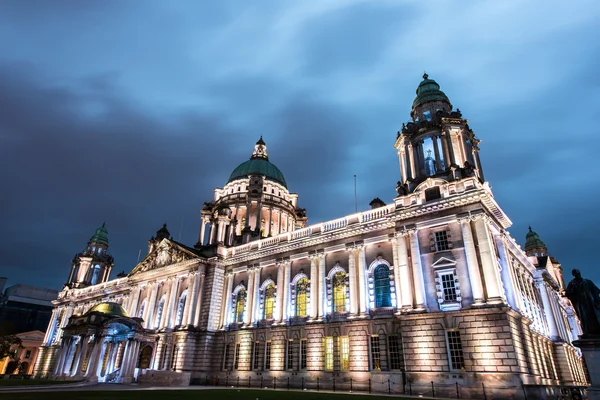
column 585, row 296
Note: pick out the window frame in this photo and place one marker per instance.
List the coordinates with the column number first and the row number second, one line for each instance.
column 455, row 352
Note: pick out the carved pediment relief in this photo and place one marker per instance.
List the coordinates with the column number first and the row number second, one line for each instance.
column 166, row 253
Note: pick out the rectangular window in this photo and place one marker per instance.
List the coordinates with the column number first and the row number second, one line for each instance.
column 432, row 193
column 455, row 351
column 225, row 357
column 236, row 359
column 345, row 352
column 449, row 287
column 303, row 354
column 290, row 354
column 256, row 356
column 441, row 241
column 396, row 353
column 375, row 354
column 28, row 354
column 268, row 356
column 328, row 351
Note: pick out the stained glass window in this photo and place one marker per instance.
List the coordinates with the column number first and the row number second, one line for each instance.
column 270, row 293
column 240, row 305
column 383, row 294
column 339, row 292
column 301, row 297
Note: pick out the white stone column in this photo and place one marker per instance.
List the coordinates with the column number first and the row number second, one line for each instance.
column 172, row 311
column 81, row 356
column 405, row 276
column 64, row 321
column 256, row 295
column 64, row 352
column 202, row 231
column 270, row 220
column 213, row 233
column 362, row 281
column 286, row 290
column 472, row 263
column 352, row 280
column 489, row 266
column 93, row 360
column 192, row 300
column 506, row 274
column 150, row 311
column 199, row 303
column 394, row 242
column 417, row 270
column 51, row 326
column 322, row 288
column 103, row 347
column 548, row 312
column 314, row 287
column 124, row 359
column 249, row 311
column 280, row 292
column 133, row 304
column 227, row 316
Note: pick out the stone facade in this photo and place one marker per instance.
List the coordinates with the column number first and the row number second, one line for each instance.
column 430, row 287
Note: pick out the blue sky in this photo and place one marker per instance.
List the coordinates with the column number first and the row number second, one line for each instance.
column 132, row 112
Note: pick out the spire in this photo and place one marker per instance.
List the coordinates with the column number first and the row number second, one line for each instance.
column 260, row 150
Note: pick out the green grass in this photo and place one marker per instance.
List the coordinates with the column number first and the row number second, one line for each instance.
column 216, row 394
column 30, row 382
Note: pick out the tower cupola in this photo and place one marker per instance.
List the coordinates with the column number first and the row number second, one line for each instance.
column 534, row 245
column 437, row 143
column 93, row 265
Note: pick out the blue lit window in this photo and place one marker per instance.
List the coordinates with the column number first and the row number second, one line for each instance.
column 383, row 293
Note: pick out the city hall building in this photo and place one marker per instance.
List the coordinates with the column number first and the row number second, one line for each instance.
column 429, row 287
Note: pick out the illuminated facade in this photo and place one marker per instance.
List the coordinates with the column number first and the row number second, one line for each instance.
column 430, row 287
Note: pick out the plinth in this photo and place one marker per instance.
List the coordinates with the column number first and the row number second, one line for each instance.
column 590, row 347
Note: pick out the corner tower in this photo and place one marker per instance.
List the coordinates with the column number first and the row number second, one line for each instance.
column 255, row 203
column 93, row 265
column 437, row 142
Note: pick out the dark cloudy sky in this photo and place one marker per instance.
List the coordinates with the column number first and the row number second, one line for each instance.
column 131, row 112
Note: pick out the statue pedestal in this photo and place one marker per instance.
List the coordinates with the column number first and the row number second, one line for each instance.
column 590, row 346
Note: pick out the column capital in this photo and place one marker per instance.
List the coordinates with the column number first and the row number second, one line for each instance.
column 229, row 274
column 406, row 231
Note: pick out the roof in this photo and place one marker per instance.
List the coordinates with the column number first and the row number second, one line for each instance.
column 258, row 166
column 429, row 90
column 109, row 308
column 101, row 235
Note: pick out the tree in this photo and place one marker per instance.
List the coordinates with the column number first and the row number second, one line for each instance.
column 6, row 344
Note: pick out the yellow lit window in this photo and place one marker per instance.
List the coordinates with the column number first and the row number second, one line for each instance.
column 240, row 305
column 339, row 292
column 301, row 297
column 328, row 351
column 270, row 292
column 345, row 352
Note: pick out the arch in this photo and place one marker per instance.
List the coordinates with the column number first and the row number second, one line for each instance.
column 338, row 283
column 337, row 268
column 301, row 291
column 268, row 296
column 239, row 300
column 145, row 357
column 381, row 291
column 382, row 287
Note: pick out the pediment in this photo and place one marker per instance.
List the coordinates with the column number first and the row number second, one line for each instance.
column 443, row 262
column 166, row 253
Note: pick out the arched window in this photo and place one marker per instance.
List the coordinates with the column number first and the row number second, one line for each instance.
column 383, row 293
column 159, row 312
column 301, row 297
column 240, row 305
column 339, row 292
column 270, row 292
column 180, row 308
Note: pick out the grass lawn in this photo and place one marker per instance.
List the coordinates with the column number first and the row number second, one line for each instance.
column 216, row 394
column 30, row 382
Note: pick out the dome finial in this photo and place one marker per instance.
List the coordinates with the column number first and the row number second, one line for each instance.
column 425, row 76
column 260, row 150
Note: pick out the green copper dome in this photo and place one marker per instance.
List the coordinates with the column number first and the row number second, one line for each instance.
column 429, row 90
column 258, row 164
column 533, row 242
column 101, row 235
column 108, row 308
